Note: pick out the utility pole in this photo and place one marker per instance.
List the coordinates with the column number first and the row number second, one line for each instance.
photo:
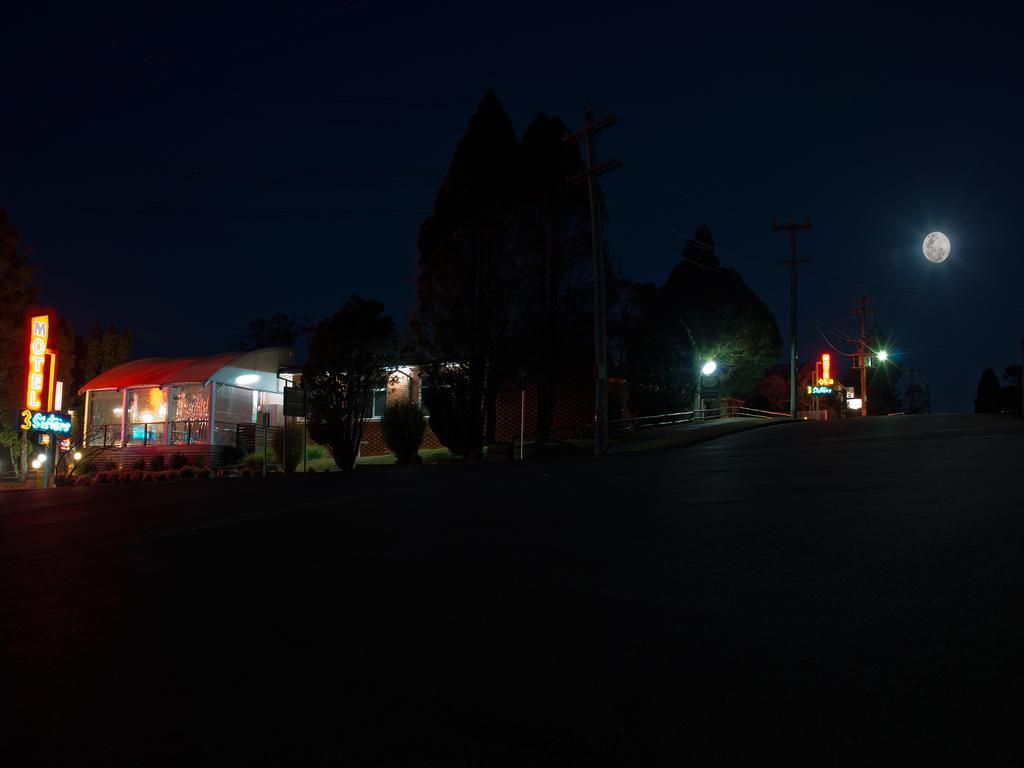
column 793, row 262
column 862, row 354
column 588, row 135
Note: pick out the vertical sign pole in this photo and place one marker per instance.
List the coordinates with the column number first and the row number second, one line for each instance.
column 522, row 422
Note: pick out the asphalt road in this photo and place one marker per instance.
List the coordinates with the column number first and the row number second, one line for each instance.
column 846, row 593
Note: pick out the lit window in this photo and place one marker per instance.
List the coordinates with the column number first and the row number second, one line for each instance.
column 380, row 402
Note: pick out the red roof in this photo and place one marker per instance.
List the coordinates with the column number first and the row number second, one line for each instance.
column 160, row 371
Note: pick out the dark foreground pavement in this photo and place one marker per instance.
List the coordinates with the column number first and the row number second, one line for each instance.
column 845, row 593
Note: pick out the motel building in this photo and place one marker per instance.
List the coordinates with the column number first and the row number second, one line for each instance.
column 201, row 405
column 193, row 405
column 167, row 405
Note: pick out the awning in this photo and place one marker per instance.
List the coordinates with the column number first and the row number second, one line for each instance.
column 160, row 371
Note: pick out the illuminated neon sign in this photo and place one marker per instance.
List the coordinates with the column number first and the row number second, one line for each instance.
column 818, row 389
column 39, row 331
column 823, row 370
column 45, row 421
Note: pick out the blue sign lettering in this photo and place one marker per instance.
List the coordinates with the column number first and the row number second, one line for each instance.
column 51, row 422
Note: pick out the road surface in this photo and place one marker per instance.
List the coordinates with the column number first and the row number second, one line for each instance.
column 844, row 593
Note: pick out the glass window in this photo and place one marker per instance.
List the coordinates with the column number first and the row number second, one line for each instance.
column 234, row 404
column 146, row 406
column 104, row 418
column 190, row 414
column 272, row 403
column 147, row 411
column 380, row 402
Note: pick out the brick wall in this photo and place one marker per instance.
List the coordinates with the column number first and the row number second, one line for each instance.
column 573, row 414
column 373, row 439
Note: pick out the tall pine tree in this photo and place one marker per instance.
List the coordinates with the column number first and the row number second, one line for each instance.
column 471, row 278
column 16, row 295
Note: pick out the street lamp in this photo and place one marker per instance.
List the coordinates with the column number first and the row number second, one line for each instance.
column 882, row 355
column 706, row 370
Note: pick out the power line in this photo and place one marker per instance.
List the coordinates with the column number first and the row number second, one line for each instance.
column 270, row 215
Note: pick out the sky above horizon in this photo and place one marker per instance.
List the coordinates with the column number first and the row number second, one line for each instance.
column 184, row 171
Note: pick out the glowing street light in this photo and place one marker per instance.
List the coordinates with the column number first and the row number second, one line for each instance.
column 78, row 455
column 36, row 464
column 706, row 370
column 882, row 355
column 41, row 458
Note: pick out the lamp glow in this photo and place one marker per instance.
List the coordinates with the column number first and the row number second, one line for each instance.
column 36, row 464
column 78, row 455
column 709, row 367
column 41, row 458
column 247, row 378
column 883, row 355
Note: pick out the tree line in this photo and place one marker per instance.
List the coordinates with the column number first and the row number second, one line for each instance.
column 995, row 397
column 505, row 288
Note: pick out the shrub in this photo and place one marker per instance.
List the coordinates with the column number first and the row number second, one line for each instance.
column 187, row 472
column 254, row 462
column 139, row 464
column 294, row 445
column 100, row 477
column 124, row 476
column 159, row 463
column 178, row 460
column 403, row 426
column 230, row 456
column 197, row 460
column 314, row 451
column 136, row 476
column 110, row 466
column 245, row 472
column 83, row 481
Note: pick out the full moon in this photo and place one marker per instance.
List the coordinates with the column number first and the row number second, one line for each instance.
column 936, row 247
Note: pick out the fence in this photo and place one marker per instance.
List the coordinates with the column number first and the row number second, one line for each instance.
column 684, row 417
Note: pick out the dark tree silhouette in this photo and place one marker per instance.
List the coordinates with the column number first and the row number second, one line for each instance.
column 17, row 293
column 987, row 400
column 703, row 311
column 97, row 353
column 349, row 356
column 472, row 279
column 1010, row 392
column 279, row 331
column 555, row 224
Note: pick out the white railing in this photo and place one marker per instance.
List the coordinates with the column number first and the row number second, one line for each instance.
column 683, row 417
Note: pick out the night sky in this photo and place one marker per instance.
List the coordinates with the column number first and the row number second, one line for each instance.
column 181, row 170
